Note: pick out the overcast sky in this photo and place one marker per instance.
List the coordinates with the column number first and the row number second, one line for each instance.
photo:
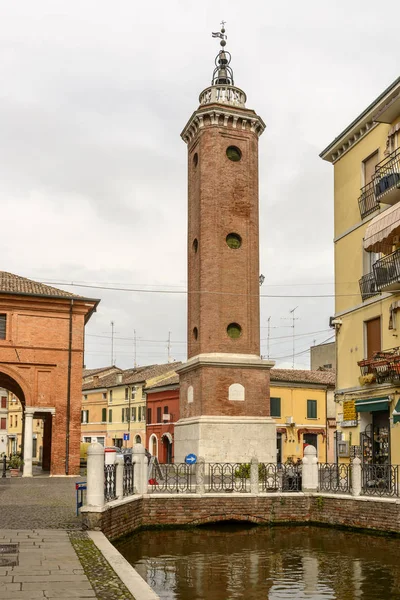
column 94, row 95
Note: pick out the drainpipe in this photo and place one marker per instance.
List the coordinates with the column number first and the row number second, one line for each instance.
column 326, row 424
column 68, row 390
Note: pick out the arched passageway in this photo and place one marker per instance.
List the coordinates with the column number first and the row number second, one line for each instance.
column 29, row 429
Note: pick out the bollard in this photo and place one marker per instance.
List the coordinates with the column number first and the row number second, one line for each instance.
column 95, row 475
column 141, row 466
column 4, row 465
column 356, row 477
column 310, row 470
column 119, row 477
column 254, row 476
column 199, row 470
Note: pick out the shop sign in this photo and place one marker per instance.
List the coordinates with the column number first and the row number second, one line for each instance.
column 349, row 410
column 351, row 423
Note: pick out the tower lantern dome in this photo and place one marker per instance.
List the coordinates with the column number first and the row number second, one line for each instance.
column 223, row 89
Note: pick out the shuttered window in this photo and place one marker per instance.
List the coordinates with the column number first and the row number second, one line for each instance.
column 275, row 407
column 369, row 165
column 373, row 336
column 148, row 415
column 159, row 414
column 3, row 326
column 311, row 409
column 103, row 415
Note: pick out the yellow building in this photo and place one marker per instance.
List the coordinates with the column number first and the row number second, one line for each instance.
column 301, row 402
column 366, row 159
column 114, row 404
column 14, row 430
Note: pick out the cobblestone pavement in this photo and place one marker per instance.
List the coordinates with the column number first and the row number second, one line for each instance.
column 38, row 503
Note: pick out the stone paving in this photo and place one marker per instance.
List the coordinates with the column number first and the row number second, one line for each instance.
column 53, row 558
column 38, row 503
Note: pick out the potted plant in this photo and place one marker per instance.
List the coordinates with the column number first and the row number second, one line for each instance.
column 15, row 465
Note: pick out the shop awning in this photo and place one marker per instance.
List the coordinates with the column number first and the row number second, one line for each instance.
column 381, row 230
column 372, row 404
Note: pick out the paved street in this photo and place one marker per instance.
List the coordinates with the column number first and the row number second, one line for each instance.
column 38, row 503
column 43, row 552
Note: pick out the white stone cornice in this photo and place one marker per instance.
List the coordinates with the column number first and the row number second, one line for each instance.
column 225, row 117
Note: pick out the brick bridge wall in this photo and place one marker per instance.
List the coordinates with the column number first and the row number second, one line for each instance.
column 127, row 516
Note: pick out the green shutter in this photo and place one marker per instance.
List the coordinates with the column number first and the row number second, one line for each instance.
column 311, row 409
column 110, row 415
column 275, row 407
column 123, row 415
column 104, row 415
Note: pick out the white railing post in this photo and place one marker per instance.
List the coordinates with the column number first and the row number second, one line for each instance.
column 139, row 459
column 356, row 477
column 254, row 478
column 199, row 471
column 310, row 470
column 119, row 477
column 95, row 475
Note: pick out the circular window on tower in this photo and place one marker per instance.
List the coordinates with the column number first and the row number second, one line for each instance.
column 195, row 159
column 233, row 153
column 234, row 330
column 195, row 244
column 234, row 240
column 195, row 333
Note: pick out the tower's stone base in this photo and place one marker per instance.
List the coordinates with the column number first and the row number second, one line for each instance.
column 226, row 439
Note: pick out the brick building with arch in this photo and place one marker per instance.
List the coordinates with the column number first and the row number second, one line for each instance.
column 41, row 360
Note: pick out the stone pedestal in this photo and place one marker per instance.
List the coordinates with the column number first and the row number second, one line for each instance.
column 226, row 439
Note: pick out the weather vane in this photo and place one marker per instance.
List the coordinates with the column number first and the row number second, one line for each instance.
column 221, row 34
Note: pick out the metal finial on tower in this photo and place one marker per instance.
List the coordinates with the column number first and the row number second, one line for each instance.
column 223, row 73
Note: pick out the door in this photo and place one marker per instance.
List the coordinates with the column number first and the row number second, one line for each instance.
column 279, row 448
column 310, row 439
column 373, row 333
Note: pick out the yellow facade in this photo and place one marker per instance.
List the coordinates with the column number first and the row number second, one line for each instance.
column 14, row 430
column 369, row 400
column 295, row 426
column 126, row 415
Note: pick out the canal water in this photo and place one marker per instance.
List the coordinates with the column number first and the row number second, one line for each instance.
column 227, row 562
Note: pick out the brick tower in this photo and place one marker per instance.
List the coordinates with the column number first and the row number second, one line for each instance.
column 224, row 385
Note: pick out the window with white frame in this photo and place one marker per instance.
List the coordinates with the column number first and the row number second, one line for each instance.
column 84, row 416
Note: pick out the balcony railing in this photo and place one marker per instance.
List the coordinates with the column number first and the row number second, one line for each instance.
column 387, row 179
column 387, row 272
column 368, row 287
column 383, row 367
column 367, row 201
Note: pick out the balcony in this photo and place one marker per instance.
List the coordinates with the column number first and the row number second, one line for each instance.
column 383, row 367
column 387, row 179
column 368, row 286
column 387, row 272
column 367, row 201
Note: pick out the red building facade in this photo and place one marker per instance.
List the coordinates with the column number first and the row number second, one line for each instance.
column 162, row 413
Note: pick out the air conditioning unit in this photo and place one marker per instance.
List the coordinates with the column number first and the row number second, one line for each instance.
column 289, row 421
column 166, row 417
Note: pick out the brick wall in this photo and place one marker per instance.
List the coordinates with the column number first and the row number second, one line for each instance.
column 152, row 511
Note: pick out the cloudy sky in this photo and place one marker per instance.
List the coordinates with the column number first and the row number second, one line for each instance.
column 94, row 95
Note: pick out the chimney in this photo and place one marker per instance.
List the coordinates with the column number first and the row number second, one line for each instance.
column 119, row 377
column 95, row 380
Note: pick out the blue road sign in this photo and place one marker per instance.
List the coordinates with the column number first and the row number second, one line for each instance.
column 126, row 437
column 190, row 459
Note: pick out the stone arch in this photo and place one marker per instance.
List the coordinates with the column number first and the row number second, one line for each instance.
column 11, row 379
column 257, row 520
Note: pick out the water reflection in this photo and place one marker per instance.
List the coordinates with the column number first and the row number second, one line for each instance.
column 232, row 562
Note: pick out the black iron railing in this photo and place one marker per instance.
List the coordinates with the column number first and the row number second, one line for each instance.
column 173, row 478
column 334, row 478
column 383, row 367
column 128, row 479
column 228, row 477
column 367, row 201
column 387, row 270
column 387, row 175
column 368, row 287
column 380, row 480
column 110, row 482
column 279, row 477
